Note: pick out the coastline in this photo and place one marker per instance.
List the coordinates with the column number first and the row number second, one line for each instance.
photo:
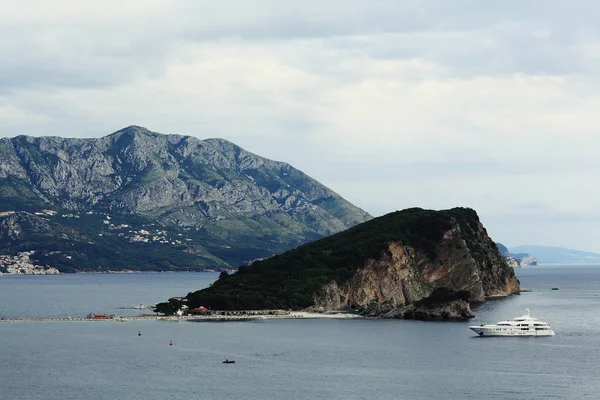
column 199, row 318
column 106, row 273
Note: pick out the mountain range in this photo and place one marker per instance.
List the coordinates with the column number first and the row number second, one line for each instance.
column 558, row 255
column 137, row 199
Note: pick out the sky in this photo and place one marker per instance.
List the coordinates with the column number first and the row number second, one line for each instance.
column 393, row 104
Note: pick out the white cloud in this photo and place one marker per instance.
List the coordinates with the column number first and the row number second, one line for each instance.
column 390, row 104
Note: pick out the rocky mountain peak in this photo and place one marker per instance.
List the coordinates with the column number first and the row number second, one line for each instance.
column 175, row 180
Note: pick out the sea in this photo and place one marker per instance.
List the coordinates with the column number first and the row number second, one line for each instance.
column 291, row 358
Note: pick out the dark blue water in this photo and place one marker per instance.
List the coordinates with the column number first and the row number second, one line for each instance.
column 304, row 359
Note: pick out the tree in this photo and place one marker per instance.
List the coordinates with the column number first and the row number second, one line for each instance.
column 224, row 274
column 170, row 307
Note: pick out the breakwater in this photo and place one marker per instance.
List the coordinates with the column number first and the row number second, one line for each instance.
column 215, row 316
column 144, row 317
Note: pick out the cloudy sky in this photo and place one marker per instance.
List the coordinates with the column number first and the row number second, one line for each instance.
column 393, row 104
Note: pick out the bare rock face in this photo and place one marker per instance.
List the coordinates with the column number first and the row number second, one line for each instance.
column 517, row 260
column 231, row 198
column 456, row 310
column 392, row 286
column 178, row 179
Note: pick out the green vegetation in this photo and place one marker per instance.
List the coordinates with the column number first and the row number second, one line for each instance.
column 290, row 280
column 94, row 246
column 223, row 206
column 87, row 244
column 16, row 194
column 169, row 307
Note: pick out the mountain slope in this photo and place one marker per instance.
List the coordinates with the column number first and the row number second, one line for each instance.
column 399, row 260
column 231, row 204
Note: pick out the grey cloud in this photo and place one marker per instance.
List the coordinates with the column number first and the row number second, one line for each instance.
column 336, row 166
column 75, row 62
column 465, row 36
column 530, row 206
column 88, row 60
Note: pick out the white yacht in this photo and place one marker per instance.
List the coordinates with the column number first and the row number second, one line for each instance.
column 520, row 326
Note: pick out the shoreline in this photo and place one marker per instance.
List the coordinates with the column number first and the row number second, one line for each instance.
column 197, row 318
column 546, row 265
column 109, row 273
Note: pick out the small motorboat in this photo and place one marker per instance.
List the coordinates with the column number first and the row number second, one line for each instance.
column 227, row 361
column 554, row 288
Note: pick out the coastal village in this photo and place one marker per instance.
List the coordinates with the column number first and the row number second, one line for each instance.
column 21, row 264
column 125, row 231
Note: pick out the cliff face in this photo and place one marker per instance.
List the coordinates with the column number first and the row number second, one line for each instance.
column 517, row 260
column 412, row 264
column 466, row 260
column 237, row 205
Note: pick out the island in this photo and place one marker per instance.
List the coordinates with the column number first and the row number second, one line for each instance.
column 415, row 263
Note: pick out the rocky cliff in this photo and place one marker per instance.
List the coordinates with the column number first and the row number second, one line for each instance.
column 517, row 260
column 409, row 264
column 223, row 200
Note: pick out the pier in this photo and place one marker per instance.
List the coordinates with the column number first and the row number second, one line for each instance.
column 149, row 317
column 212, row 316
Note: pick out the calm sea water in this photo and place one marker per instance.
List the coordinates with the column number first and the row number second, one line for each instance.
column 77, row 295
column 292, row 359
